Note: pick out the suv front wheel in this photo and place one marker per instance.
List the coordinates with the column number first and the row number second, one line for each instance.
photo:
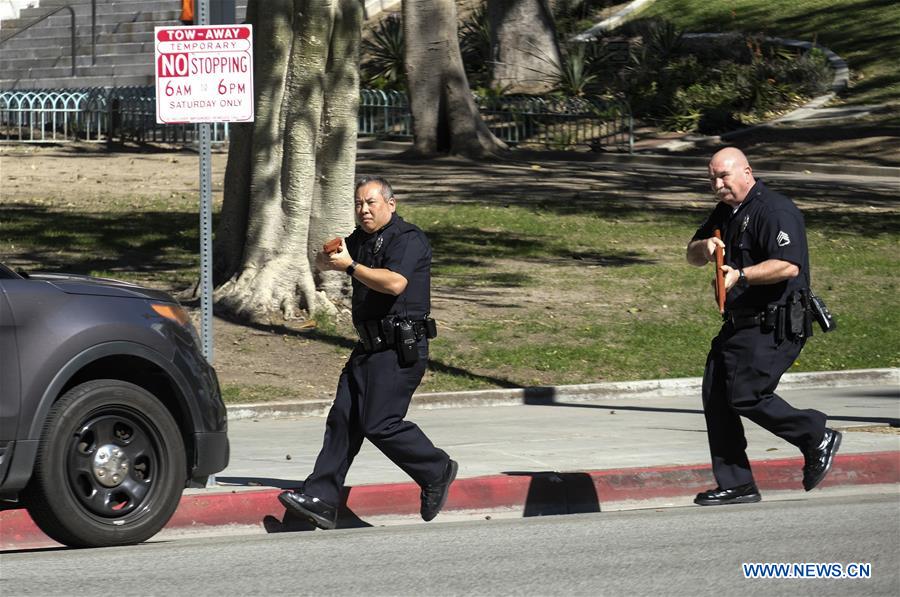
column 110, row 466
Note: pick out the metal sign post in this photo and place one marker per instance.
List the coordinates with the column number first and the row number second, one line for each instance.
column 206, row 284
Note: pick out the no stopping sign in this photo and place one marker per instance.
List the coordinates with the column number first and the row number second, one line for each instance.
column 204, row 74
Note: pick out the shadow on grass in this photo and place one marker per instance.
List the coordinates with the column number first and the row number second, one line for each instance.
column 830, row 214
column 156, row 241
column 75, row 150
column 74, row 242
column 474, row 248
column 608, row 191
column 870, row 144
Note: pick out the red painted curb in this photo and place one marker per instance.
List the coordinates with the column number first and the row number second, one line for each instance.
column 536, row 493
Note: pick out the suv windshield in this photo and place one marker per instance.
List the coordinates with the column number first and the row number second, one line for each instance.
column 7, row 274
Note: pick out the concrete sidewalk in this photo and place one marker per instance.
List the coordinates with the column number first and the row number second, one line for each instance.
column 555, row 457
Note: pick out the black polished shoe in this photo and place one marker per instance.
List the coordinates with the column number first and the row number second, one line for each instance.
column 742, row 494
column 310, row 508
column 819, row 459
column 434, row 496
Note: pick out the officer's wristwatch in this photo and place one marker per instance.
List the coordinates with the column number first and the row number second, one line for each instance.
column 352, row 268
column 742, row 279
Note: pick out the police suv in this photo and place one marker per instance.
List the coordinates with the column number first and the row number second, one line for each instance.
column 108, row 410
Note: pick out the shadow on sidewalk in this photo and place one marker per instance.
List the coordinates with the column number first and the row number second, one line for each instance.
column 545, row 396
column 886, row 420
column 872, row 393
column 259, row 482
column 551, row 493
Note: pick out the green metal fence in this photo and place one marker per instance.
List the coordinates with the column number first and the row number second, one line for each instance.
column 43, row 115
column 129, row 114
column 559, row 123
column 384, row 114
column 518, row 120
column 94, row 115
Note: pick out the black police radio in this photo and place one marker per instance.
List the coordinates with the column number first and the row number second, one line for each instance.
column 407, row 347
column 821, row 313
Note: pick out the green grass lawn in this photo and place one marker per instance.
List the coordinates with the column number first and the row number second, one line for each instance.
column 639, row 311
column 866, row 33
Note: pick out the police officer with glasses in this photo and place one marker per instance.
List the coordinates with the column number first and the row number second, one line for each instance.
column 390, row 263
column 766, row 323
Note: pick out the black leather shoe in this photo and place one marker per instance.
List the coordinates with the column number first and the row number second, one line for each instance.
column 820, row 459
column 310, row 508
column 434, row 496
column 742, row 494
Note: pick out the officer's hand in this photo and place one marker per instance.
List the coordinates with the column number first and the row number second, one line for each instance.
column 338, row 260
column 731, row 276
column 711, row 243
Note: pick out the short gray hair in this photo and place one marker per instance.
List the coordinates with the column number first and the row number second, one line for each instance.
column 387, row 191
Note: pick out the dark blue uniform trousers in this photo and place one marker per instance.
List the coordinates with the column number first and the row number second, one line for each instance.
column 742, row 371
column 372, row 399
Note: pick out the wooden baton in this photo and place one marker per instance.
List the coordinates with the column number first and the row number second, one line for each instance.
column 720, row 275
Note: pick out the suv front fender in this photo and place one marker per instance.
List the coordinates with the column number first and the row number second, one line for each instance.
column 24, row 450
column 116, row 349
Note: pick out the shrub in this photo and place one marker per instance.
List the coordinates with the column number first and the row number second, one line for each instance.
column 707, row 108
column 384, row 67
column 475, row 47
column 808, row 72
column 576, row 74
column 713, row 85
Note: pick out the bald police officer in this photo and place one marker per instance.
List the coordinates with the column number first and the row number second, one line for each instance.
column 390, row 263
column 765, row 325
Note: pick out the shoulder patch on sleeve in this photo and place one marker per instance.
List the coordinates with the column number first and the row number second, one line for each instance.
column 783, row 238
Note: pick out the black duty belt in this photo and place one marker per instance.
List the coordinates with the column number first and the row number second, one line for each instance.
column 381, row 334
column 791, row 320
column 744, row 318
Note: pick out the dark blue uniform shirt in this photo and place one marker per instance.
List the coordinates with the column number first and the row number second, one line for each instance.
column 767, row 225
column 402, row 248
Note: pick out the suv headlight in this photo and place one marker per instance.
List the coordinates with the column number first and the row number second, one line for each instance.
column 179, row 315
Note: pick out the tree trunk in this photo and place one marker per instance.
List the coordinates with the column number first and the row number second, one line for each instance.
column 524, row 49
column 289, row 177
column 445, row 117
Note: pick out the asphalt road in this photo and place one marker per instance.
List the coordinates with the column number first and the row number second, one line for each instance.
column 672, row 551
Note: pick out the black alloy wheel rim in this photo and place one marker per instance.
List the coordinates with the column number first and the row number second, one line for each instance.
column 113, row 461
